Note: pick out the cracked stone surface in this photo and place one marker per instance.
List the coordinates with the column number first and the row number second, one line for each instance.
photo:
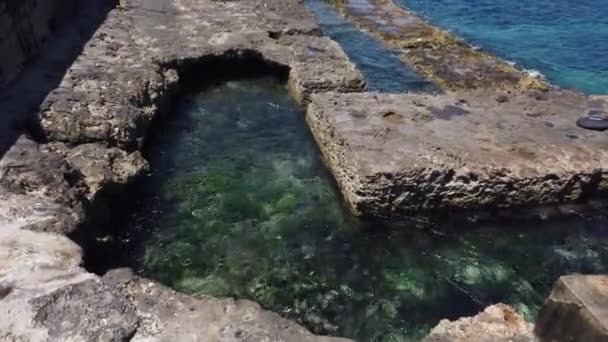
column 46, row 296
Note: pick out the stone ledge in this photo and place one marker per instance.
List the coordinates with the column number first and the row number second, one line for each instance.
column 398, row 155
column 167, row 315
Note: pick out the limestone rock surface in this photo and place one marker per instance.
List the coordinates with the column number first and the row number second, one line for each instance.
column 497, row 323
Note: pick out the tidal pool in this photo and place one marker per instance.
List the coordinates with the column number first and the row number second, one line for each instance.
column 239, row 204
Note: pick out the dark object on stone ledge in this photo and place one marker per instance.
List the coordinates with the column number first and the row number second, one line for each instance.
column 576, row 310
column 595, row 123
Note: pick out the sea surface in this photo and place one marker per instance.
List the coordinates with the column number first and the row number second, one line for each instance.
column 565, row 40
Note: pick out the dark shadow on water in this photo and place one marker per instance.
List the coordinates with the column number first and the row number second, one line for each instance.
column 22, row 97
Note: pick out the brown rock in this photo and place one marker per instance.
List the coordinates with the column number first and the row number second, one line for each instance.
column 576, row 310
column 497, row 323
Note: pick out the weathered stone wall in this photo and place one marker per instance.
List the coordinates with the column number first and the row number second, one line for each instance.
column 24, row 27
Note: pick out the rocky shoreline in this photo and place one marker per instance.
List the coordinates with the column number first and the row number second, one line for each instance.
column 81, row 150
column 77, row 154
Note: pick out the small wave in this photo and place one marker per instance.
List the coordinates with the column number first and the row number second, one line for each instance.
column 534, row 73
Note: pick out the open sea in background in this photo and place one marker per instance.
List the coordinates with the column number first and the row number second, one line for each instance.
column 565, row 40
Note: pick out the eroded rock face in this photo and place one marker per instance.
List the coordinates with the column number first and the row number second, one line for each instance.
column 497, row 323
column 101, row 167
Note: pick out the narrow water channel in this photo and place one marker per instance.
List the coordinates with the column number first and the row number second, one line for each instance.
column 383, row 69
column 239, row 204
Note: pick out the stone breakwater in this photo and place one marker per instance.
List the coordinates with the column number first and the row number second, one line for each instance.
column 497, row 139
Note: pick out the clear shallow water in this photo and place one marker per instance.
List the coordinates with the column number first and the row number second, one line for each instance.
column 381, row 66
column 565, row 40
column 239, row 204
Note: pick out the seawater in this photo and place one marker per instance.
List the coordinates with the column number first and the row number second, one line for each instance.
column 382, row 68
column 565, row 40
column 239, row 204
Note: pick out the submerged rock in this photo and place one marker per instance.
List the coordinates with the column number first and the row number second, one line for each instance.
column 436, row 54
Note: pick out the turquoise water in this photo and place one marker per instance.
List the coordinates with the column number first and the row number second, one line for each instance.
column 565, row 40
column 381, row 66
column 239, row 204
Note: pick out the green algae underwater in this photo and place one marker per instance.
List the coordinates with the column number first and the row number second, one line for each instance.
column 239, row 204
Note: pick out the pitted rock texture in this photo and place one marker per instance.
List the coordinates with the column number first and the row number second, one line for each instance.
column 439, row 56
column 101, row 167
column 398, row 155
column 24, row 26
column 497, row 323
